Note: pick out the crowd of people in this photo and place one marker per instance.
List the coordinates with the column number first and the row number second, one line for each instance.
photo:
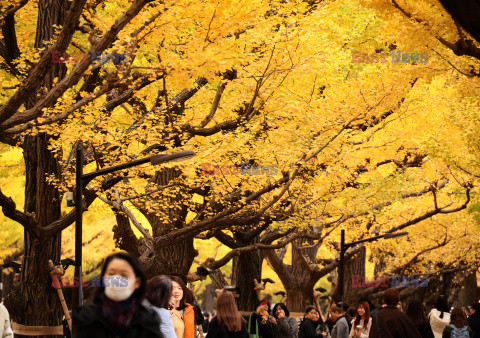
column 163, row 306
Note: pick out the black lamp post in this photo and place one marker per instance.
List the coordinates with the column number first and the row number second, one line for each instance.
column 344, row 247
column 82, row 180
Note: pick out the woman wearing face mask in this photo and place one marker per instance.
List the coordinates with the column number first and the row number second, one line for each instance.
column 183, row 315
column 312, row 325
column 117, row 310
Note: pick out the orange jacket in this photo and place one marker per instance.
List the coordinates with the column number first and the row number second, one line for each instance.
column 189, row 320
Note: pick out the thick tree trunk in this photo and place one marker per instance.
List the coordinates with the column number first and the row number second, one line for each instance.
column 247, row 267
column 299, row 297
column 167, row 260
column 35, row 302
column 209, row 298
column 300, row 288
column 298, row 278
column 353, row 269
column 469, row 294
column 173, row 259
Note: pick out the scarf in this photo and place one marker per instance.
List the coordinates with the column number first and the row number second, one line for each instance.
column 256, row 333
column 118, row 314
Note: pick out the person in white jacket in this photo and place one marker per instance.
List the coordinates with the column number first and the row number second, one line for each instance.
column 5, row 329
column 439, row 317
column 362, row 323
column 159, row 292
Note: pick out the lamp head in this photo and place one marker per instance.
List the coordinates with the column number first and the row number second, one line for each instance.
column 175, row 157
column 397, row 234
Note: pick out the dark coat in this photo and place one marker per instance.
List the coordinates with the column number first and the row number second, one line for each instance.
column 215, row 330
column 308, row 329
column 265, row 329
column 393, row 323
column 474, row 323
column 88, row 322
column 425, row 330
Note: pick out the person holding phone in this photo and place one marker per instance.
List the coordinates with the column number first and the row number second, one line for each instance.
column 258, row 323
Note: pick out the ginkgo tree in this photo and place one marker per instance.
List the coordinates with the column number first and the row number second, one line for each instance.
column 446, row 128
column 49, row 105
column 260, row 82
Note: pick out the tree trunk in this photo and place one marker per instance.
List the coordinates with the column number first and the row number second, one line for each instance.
column 300, row 288
column 35, row 302
column 300, row 277
column 247, row 267
column 469, row 294
column 354, row 268
column 299, row 297
column 209, row 296
column 173, row 259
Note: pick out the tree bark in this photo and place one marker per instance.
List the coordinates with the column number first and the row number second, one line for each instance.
column 300, row 277
column 354, row 267
column 247, row 267
column 470, row 291
column 35, row 302
column 300, row 288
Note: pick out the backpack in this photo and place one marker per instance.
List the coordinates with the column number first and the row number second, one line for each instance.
column 459, row 333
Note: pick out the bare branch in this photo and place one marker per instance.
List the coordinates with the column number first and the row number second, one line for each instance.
column 118, row 205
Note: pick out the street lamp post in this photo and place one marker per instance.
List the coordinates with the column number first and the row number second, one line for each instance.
column 82, row 180
column 344, row 247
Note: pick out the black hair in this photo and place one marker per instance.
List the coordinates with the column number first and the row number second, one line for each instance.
column 442, row 305
column 137, row 267
column 476, row 307
column 284, row 308
column 180, row 282
column 366, row 299
column 344, row 306
column 159, row 291
column 415, row 312
column 307, row 310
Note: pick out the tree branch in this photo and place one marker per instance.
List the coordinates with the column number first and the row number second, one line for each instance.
column 27, row 220
column 8, row 110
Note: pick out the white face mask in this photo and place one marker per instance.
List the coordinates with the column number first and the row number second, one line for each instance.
column 118, row 288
